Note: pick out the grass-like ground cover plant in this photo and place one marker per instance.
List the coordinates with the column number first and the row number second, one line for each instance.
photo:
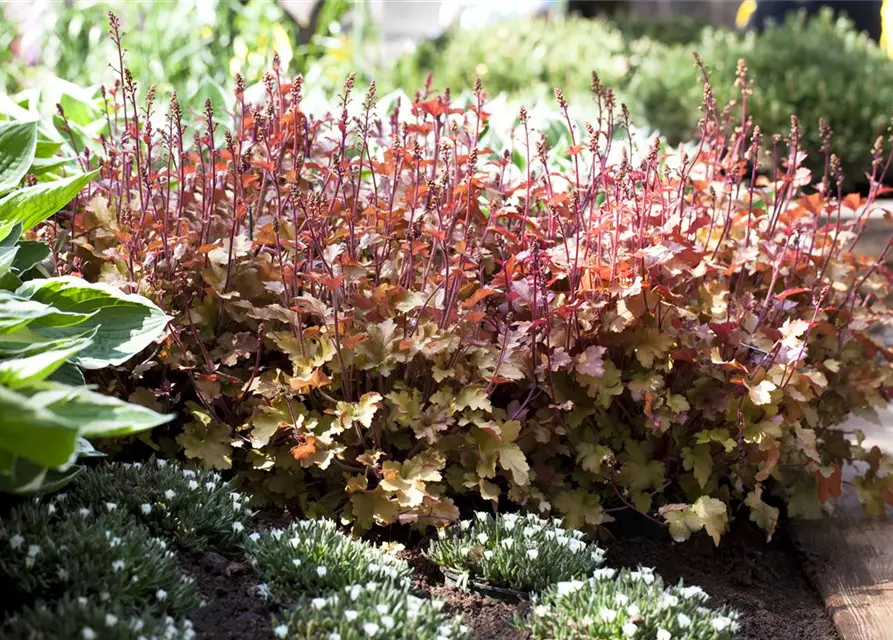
column 375, row 313
column 629, row 604
column 314, row 557
column 520, row 552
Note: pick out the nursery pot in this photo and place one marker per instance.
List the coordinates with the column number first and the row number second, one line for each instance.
column 463, row 581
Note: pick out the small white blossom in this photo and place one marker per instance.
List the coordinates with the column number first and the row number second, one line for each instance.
column 51, row 509
column 464, row 524
column 146, row 508
column 350, row 615
column 62, row 574
column 188, row 473
column 371, row 629
column 388, row 622
column 608, row 615
column 263, row 590
column 663, row 634
column 281, row 631
column 382, row 609
column 118, row 565
column 193, row 485
column 693, row 593
column 488, row 554
column 254, row 537
column 508, row 543
column 169, row 494
column 621, row 598
column 296, row 562
column 540, row 610
column 683, row 620
column 318, row 603
column 84, row 512
column 334, row 636
column 16, row 541
column 161, row 595
column 481, row 515
column 88, row 634
column 633, row 610
column 568, row 586
column 110, row 506
column 210, row 486
column 603, row 574
column 321, row 571
column 629, row 629
column 667, row 601
column 295, row 541
column 721, row 623
column 111, row 620
column 483, row 537
column 533, row 554
column 160, row 462
column 238, row 527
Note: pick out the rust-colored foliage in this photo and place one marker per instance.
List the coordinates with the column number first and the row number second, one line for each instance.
column 377, row 314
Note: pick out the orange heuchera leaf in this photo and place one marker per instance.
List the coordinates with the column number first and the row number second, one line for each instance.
column 791, row 292
column 331, row 283
column 829, row 487
column 305, row 449
column 477, row 296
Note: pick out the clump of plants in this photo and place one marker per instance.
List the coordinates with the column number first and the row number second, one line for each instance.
column 370, row 610
column 53, row 550
column 520, row 552
column 628, row 604
column 165, row 496
column 90, row 619
column 314, row 557
column 374, row 314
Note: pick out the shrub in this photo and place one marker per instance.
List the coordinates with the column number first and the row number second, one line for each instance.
column 524, row 56
column 313, row 557
column 817, row 68
column 521, row 552
column 634, row 604
column 51, row 551
column 370, row 610
column 193, row 508
column 82, row 619
column 370, row 323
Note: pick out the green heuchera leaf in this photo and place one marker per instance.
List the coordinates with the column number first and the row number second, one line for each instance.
column 126, row 324
column 32, row 205
column 18, row 141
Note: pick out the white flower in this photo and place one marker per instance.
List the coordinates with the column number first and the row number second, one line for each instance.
column 533, row 554
column 464, row 524
column 598, row 555
column 575, row 545
column 118, row 565
column 540, row 610
column 254, row 537
column 667, row 601
column 111, row 620
column 238, row 527
column 481, row 515
column 608, row 615
column 88, row 634
column 350, row 615
column 188, row 473
column 169, row 494
column 62, row 574
column 483, row 537
column 683, row 620
column 146, row 508
column 382, row 609
column 160, row 462
column 210, row 486
column 263, row 590
column 693, row 593
column 33, row 550
column 295, row 541
column 110, row 506
column 321, row 571
column 663, row 634
column 161, row 595
column 633, row 610
column 629, row 629
column 721, row 623
column 16, row 541
column 388, row 622
column 621, row 598
column 603, row 574
column 318, row 603
column 51, row 509
column 334, row 636
column 371, row 629
column 645, row 575
column 84, row 512
column 296, row 562
column 488, row 554
column 193, row 485
column 281, row 631
column 355, row 591
column 508, row 543
column 569, row 586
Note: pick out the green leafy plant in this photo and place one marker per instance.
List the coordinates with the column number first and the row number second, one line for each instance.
column 313, row 557
column 628, row 604
column 51, row 328
column 521, row 552
column 194, row 508
column 81, row 618
column 370, row 610
column 370, row 324
column 53, row 549
column 816, row 69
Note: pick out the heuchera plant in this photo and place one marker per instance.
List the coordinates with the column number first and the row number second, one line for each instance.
column 375, row 312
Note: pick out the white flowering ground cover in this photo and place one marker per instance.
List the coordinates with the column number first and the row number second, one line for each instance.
column 100, row 561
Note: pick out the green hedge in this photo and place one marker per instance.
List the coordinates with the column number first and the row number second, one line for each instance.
column 818, row 68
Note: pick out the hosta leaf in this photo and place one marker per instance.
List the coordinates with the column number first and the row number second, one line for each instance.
column 30, row 253
column 18, row 141
column 126, row 324
column 34, row 431
column 16, row 313
column 32, row 205
column 25, row 370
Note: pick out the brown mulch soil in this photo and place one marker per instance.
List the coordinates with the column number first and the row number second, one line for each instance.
column 764, row 581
